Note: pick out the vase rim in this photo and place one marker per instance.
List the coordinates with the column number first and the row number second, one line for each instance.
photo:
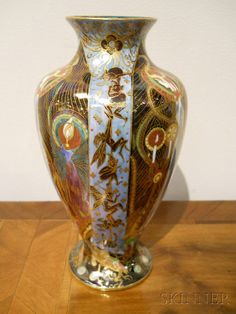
column 111, row 18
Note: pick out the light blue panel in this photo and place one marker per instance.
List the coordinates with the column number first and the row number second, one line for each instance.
column 110, row 86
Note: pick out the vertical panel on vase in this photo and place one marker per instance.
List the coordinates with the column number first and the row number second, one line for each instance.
column 155, row 128
column 111, row 53
column 63, row 116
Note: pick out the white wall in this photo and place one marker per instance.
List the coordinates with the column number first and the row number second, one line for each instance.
column 196, row 40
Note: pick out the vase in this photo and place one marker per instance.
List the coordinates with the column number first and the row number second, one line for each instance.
column 111, row 125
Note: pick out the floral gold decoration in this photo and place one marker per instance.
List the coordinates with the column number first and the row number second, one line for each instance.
column 111, row 44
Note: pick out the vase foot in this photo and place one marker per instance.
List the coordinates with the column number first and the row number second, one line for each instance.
column 97, row 269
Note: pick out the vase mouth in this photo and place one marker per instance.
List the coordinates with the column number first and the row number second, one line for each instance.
column 111, row 18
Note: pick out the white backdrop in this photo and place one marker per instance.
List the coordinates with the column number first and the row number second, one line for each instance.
column 196, row 40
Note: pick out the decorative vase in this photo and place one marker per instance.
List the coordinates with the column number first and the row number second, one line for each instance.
column 111, row 125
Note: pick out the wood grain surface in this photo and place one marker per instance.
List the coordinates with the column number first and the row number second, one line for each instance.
column 194, row 253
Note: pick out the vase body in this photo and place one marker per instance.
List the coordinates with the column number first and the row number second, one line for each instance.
column 111, row 125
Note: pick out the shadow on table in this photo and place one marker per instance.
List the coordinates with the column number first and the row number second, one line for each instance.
column 169, row 213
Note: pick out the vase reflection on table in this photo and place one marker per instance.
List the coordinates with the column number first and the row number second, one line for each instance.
column 111, row 125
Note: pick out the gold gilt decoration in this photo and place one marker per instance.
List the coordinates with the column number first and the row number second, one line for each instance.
column 103, row 139
column 171, row 132
column 111, row 44
column 97, row 118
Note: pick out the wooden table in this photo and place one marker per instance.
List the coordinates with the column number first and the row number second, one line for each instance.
column 193, row 246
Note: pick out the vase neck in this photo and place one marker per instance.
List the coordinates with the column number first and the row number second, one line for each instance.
column 110, row 42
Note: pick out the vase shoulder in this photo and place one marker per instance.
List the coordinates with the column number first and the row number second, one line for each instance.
column 49, row 82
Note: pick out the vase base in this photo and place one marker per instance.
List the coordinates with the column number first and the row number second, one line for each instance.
column 97, row 269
